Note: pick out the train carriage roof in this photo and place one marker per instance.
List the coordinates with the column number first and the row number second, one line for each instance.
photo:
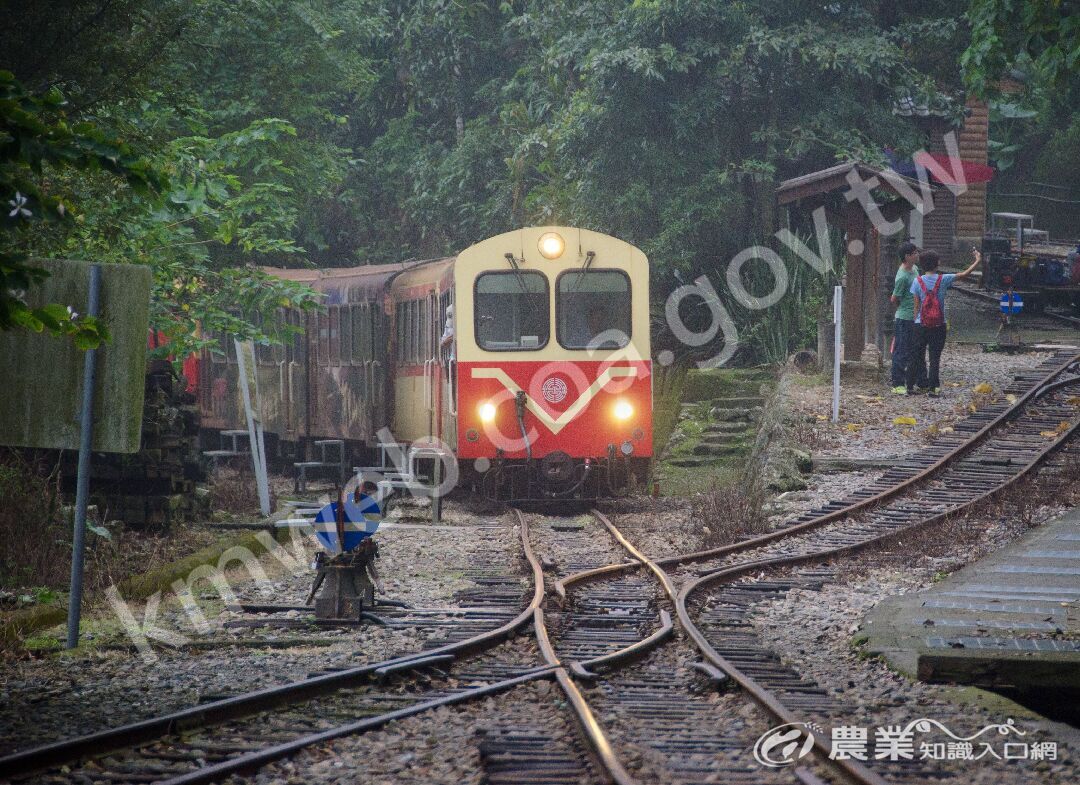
column 350, row 284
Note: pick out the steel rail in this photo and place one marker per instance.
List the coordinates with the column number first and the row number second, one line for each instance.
column 254, row 761
column 581, row 668
column 761, row 695
column 1042, row 386
column 608, row 762
column 851, row 769
column 144, row 731
column 986, row 296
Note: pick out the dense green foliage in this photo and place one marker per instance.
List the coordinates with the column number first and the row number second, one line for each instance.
column 342, row 132
column 1024, row 57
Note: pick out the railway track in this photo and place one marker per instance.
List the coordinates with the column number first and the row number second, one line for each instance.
column 977, row 292
column 990, row 451
column 605, row 645
column 242, row 733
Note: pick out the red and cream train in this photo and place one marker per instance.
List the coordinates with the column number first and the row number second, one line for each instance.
column 526, row 356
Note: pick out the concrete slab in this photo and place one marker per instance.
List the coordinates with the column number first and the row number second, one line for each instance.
column 1011, row 619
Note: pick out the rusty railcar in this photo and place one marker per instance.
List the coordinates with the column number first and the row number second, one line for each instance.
column 539, row 382
column 331, row 380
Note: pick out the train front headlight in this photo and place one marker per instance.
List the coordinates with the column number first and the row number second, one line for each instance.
column 487, row 411
column 551, row 245
column 623, row 410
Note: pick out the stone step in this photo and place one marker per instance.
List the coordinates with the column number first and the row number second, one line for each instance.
column 737, row 402
column 720, row 450
column 726, row 440
column 728, row 428
column 692, row 463
column 733, row 415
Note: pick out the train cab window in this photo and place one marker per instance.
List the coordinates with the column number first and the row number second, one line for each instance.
column 592, row 309
column 511, row 310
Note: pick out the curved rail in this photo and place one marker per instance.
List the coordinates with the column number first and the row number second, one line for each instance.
column 145, row 731
column 609, row 764
column 851, row 769
column 761, row 695
column 1044, row 385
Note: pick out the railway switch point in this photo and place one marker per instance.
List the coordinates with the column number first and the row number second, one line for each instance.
column 347, row 582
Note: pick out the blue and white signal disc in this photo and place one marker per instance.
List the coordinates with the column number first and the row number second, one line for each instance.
column 1011, row 305
column 361, row 521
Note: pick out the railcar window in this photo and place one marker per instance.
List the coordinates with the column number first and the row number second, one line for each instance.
column 592, row 309
column 335, row 335
column 301, row 321
column 217, row 353
column 324, row 337
column 359, row 338
column 511, row 310
column 345, row 334
column 399, row 328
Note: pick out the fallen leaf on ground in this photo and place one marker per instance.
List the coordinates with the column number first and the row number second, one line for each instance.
column 1010, row 398
column 854, row 427
column 904, row 421
column 983, row 389
column 823, row 417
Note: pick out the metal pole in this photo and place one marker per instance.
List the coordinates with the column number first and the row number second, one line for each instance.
column 82, row 487
column 838, row 315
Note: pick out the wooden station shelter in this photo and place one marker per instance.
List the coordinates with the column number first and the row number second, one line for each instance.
column 955, row 225
column 871, row 259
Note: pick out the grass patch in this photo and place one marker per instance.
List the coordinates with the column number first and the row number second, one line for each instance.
column 233, row 494
column 729, row 513
column 687, row 481
column 667, row 399
column 35, row 541
column 706, row 385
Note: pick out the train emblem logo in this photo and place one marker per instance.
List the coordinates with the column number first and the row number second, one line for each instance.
column 554, row 390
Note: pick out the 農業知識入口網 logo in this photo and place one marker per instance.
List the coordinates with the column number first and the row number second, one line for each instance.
column 785, row 744
column 921, row 739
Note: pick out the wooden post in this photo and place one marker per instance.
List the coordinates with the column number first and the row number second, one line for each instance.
column 875, row 299
column 856, row 275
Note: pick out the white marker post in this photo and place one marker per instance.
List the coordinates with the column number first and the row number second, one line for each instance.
column 838, row 315
column 245, row 353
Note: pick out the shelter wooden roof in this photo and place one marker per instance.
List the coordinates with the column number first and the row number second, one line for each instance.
column 834, row 178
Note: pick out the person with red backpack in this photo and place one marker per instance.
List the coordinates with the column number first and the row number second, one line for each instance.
column 929, row 290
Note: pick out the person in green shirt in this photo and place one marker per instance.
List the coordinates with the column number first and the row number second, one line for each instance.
column 904, row 331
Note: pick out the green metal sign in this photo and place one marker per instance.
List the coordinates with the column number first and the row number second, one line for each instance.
column 42, row 376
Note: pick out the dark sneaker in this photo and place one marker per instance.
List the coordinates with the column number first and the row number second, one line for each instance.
column 912, row 391
column 935, row 393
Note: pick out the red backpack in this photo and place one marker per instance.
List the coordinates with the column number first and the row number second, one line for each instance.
column 931, row 314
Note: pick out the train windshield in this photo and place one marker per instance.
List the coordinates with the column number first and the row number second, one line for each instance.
column 593, row 309
column 511, row 310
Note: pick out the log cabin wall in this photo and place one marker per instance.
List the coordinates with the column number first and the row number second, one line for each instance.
column 971, row 205
column 939, row 226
